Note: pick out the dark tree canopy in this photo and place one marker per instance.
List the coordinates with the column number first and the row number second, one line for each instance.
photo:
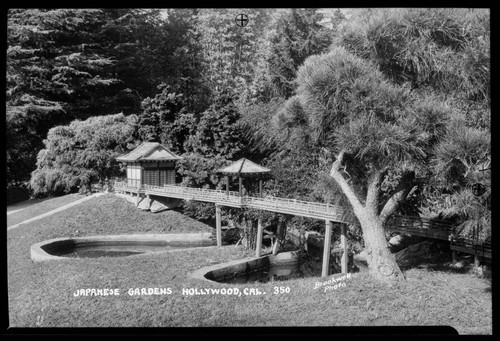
column 297, row 35
column 66, row 64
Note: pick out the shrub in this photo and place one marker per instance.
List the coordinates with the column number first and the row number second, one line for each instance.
column 82, row 153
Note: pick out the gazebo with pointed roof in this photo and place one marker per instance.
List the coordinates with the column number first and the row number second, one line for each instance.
column 150, row 164
column 244, row 168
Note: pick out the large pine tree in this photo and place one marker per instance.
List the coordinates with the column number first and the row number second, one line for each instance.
column 376, row 132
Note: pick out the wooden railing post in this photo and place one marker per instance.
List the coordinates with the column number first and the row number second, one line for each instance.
column 326, row 248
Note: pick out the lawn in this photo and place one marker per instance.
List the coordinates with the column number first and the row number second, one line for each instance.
column 31, row 208
column 41, row 294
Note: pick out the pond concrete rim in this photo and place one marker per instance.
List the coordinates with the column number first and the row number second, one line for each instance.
column 38, row 253
column 285, row 257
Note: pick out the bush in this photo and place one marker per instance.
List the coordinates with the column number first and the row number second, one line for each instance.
column 82, row 154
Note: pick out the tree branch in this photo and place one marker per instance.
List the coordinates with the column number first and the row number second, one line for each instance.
column 405, row 182
column 404, row 188
column 372, row 195
column 344, row 185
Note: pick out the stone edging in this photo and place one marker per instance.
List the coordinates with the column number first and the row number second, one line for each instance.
column 39, row 250
column 242, row 265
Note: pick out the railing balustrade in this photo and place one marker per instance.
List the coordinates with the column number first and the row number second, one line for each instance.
column 282, row 205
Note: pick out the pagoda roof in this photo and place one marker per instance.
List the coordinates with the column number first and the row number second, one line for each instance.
column 149, row 151
column 244, row 166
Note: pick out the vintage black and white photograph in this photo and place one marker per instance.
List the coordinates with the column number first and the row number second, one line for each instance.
column 249, row 167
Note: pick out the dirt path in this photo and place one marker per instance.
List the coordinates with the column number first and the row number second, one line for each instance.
column 10, row 212
column 59, row 209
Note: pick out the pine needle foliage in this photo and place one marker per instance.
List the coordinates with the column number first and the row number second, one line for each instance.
column 446, row 49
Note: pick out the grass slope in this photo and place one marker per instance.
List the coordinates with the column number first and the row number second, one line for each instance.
column 35, row 207
column 41, row 295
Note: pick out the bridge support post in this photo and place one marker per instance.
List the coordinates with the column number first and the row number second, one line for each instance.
column 326, row 248
column 137, row 199
column 258, row 245
column 343, row 245
column 218, row 226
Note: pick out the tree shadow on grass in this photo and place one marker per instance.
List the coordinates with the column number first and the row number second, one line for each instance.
column 438, row 262
column 435, row 257
column 178, row 209
column 445, row 265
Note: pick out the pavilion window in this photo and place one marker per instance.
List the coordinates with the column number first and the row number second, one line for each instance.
column 129, row 176
column 134, row 175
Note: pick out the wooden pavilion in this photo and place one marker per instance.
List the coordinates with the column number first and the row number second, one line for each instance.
column 150, row 164
column 244, row 168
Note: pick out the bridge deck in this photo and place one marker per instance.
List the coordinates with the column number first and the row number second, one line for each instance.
column 413, row 225
column 422, row 227
column 466, row 246
column 405, row 224
column 223, row 198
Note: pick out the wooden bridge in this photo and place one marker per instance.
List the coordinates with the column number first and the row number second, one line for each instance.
column 422, row 227
column 330, row 213
column 232, row 199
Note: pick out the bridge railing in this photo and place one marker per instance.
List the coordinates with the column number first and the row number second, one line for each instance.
column 412, row 222
column 282, row 205
column 125, row 186
column 294, row 206
column 199, row 194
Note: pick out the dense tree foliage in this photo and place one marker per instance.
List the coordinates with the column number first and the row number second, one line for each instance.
column 291, row 35
column 156, row 122
column 369, row 127
column 49, row 73
column 226, row 50
column 445, row 52
column 216, row 139
column 297, row 35
column 83, row 153
column 384, row 151
column 462, row 159
column 66, row 64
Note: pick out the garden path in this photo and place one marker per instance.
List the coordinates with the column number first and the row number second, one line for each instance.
column 59, row 209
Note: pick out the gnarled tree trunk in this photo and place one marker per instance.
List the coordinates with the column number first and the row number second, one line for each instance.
column 372, row 216
column 381, row 262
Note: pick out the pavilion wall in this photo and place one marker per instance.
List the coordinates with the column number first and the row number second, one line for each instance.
column 155, row 173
